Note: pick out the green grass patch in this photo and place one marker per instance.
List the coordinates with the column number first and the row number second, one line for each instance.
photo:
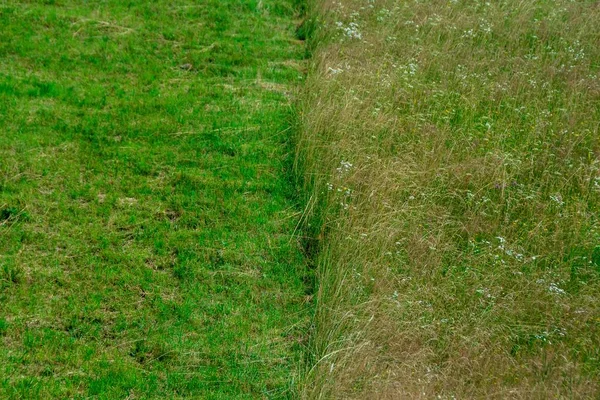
column 145, row 210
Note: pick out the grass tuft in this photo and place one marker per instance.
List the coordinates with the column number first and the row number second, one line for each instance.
column 10, row 274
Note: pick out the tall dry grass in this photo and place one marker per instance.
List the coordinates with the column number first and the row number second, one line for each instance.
column 451, row 154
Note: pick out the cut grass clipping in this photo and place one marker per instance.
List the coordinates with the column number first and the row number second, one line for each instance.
column 145, row 212
column 452, row 161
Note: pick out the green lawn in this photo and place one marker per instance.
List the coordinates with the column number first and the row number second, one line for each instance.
column 145, row 207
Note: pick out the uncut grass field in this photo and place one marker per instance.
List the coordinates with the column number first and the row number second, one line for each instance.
column 146, row 210
column 451, row 155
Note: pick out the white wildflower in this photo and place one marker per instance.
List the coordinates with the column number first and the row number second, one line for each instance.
column 553, row 288
column 344, row 167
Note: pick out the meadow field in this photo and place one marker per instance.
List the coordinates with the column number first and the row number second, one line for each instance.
column 451, row 160
column 322, row 199
column 146, row 208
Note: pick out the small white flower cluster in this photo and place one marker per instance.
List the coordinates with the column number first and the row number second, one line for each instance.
column 553, row 288
column 542, row 336
column 346, row 191
column 557, row 198
column 469, row 34
column 511, row 253
column 576, row 50
column 545, row 336
column 342, row 190
column 412, row 68
column 597, row 183
column 485, row 26
column 351, row 31
column 409, row 69
column 343, row 193
column 344, row 167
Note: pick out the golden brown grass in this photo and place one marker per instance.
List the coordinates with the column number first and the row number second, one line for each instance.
column 452, row 155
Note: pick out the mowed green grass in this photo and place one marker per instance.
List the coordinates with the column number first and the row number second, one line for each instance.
column 145, row 211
